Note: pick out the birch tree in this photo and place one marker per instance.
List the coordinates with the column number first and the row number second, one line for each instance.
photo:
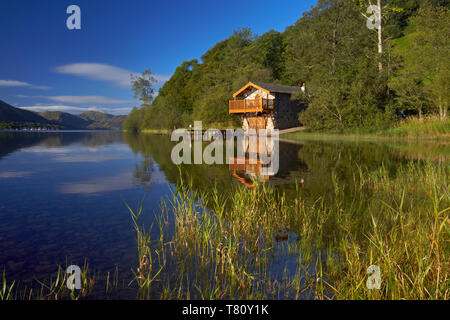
column 374, row 19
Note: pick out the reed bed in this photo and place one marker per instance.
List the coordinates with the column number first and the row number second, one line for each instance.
column 428, row 127
column 260, row 244
column 51, row 289
column 93, row 286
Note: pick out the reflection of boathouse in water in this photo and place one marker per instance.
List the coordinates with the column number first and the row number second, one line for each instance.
column 265, row 106
column 251, row 168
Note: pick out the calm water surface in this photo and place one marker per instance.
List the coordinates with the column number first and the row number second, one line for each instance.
column 63, row 194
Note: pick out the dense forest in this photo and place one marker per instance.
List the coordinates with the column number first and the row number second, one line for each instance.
column 356, row 77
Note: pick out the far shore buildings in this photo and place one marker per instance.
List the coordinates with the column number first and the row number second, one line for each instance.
column 267, row 106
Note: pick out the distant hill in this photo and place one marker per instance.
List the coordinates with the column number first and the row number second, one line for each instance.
column 100, row 120
column 88, row 120
column 95, row 116
column 10, row 114
column 11, row 117
column 64, row 119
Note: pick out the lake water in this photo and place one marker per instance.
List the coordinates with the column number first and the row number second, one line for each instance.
column 63, row 194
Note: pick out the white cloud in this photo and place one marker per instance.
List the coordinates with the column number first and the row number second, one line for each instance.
column 64, row 108
column 14, row 83
column 86, row 100
column 89, row 100
column 41, row 87
column 104, row 72
column 14, row 174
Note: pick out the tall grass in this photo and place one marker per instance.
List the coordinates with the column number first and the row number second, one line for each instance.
column 257, row 244
column 429, row 128
column 421, row 128
column 6, row 289
column 404, row 229
column 55, row 288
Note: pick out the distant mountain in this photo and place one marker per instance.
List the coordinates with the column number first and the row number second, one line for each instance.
column 87, row 120
column 100, row 120
column 65, row 120
column 95, row 116
column 10, row 114
column 11, row 117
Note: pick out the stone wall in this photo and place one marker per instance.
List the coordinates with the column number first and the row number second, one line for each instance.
column 285, row 116
column 287, row 111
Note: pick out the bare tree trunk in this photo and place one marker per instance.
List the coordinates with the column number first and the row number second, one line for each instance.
column 380, row 38
column 444, row 107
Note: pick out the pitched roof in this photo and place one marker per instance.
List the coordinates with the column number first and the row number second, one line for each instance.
column 268, row 88
column 272, row 87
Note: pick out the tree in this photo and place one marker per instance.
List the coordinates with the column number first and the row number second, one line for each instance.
column 425, row 72
column 376, row 22
column 387, row 18
column 333, row 52
column 142, row 87
column 411, row 95
column 272, row 48
column 133, row 122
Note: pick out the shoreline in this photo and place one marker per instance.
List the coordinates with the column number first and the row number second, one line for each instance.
column 298, row 136
column 329, row 136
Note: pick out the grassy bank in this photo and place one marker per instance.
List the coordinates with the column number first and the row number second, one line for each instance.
column 411, row 129
column 168, row 132
column 255, row 244
column 419, row 129
column 157, row 131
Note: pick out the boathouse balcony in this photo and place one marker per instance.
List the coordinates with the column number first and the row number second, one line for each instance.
column 251, row 105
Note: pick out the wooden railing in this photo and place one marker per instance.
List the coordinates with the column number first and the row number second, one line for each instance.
column 251, row 105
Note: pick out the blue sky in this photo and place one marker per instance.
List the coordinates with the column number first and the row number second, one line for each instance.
column 45, row 66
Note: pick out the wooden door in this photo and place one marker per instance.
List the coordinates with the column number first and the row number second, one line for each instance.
column 257, row 123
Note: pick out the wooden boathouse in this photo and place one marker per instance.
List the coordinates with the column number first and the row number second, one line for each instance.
column 267, row 106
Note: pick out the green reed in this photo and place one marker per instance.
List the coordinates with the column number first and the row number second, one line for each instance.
column 55, row 288
column 225, row 245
